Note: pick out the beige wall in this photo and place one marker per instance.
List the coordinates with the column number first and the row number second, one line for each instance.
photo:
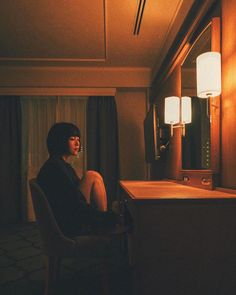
column 131, row 108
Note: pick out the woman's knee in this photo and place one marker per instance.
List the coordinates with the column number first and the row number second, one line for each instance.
column 93, row 188
column 92, row 174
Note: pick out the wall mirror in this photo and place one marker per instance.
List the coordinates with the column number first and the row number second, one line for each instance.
column 196, row 142
column 200, row 146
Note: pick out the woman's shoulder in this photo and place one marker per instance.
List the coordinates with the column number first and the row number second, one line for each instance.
column 56, row 169
column 57, row 161
column 52, row 164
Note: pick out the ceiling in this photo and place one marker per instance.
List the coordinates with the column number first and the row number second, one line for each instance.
column 82, row 33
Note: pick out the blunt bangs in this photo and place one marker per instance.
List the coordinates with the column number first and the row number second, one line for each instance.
column 58, row 135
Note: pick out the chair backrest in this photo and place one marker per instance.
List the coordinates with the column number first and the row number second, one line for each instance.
column 54, row 241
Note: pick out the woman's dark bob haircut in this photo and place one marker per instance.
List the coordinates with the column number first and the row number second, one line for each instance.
column 58, row 136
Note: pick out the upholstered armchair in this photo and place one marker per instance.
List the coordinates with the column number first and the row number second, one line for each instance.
column 56, row 245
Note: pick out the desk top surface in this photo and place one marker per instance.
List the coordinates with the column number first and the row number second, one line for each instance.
column 145, row 190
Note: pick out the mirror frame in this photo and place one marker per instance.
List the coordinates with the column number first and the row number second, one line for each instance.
column 208, row 179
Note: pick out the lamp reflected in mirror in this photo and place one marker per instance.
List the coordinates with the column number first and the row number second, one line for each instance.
column 178, row 112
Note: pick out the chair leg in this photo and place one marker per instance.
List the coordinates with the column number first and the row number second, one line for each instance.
column 52, row 274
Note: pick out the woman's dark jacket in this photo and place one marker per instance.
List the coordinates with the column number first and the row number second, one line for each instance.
column 60, row 184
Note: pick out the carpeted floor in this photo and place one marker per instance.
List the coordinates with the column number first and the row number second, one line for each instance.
column 22, row 267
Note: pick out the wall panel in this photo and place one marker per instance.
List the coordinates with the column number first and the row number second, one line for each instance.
column 131, row 108
column 228, row 140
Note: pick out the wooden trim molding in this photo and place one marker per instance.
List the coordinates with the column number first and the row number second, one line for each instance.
column 56, row 91
column 215, row 102
column 74, row 77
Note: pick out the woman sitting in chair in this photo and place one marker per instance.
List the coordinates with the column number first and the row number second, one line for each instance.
column 69, row 196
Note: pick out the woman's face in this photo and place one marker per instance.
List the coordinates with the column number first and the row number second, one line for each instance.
column 74, row 145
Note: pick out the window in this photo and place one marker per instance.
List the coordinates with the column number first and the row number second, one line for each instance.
column 39, row 113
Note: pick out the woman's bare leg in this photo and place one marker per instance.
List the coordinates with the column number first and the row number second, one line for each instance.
column 93, row 188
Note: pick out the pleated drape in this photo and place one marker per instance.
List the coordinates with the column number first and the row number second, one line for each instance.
column 10, row 160
column 102, row 142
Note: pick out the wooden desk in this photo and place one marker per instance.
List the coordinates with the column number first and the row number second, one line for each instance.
column 183, row 239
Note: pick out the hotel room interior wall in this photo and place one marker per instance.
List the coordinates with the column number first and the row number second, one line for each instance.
column 170, row 162
column 228, row 97
column 72, row 77
column 131, row 109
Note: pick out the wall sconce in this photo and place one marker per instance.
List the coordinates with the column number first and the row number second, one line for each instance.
column 178, row 111
column 208, row 74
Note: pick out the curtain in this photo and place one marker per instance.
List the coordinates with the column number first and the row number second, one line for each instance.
column 73, row 109
column 39, row 114
column 10, row 156
column 102, row 142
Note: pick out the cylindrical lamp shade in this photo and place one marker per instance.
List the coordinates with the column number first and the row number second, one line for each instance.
column 186, row 110
column 172, row 110
column 208, row 74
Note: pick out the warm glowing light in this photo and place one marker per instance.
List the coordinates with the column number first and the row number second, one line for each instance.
column 186, row 110
column 209, row 74
column 172, row 110
column 174, row 106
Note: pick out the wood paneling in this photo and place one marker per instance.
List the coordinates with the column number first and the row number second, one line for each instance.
column 182, row 239
column 73, row 77
column 215, row 104
column 228, row 141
